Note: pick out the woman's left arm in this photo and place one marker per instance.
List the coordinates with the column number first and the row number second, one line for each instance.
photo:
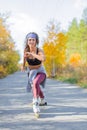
column 40, row 56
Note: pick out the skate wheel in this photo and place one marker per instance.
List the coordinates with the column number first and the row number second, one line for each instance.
column 45, row 104
column 37, row 115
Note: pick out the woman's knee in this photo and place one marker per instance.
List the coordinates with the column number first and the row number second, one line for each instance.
column 35, row 83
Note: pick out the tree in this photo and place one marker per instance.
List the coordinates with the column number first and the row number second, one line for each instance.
column 83, row 39
column 84, row 15
column 73, row 38
column 9, row 57
column 54, row 47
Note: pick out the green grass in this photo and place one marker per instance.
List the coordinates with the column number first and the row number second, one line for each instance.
column 71, row 80
column 84, row 85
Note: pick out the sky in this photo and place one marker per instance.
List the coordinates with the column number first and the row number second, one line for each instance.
column 33, row 15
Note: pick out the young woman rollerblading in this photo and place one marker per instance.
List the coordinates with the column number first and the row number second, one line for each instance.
column 35, row 57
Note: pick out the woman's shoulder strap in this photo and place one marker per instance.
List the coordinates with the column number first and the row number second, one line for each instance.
column 37, row 50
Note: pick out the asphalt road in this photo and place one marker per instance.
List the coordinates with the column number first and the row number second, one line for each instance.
column 66, row 110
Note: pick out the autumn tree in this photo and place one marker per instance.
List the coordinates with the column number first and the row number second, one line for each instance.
column 9, row 57
column 54, row 47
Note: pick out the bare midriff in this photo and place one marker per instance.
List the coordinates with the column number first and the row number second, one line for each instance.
column 34, row 67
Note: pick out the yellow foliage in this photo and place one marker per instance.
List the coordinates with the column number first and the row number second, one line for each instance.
column 1, row 68
column 55, row 51
column 75, row 59
column 4, row 34
column 8, row 56
column 2, row 71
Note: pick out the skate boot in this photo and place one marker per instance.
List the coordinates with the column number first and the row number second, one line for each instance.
column 36, row 108
column 42, row 102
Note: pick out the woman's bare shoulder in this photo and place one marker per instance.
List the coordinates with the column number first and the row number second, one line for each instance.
column 40, row 50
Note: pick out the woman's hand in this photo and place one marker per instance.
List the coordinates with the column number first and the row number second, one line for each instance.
column 22, row 68
column 27, row 54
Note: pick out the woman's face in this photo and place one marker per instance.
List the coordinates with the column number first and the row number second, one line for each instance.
column 31, row 42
